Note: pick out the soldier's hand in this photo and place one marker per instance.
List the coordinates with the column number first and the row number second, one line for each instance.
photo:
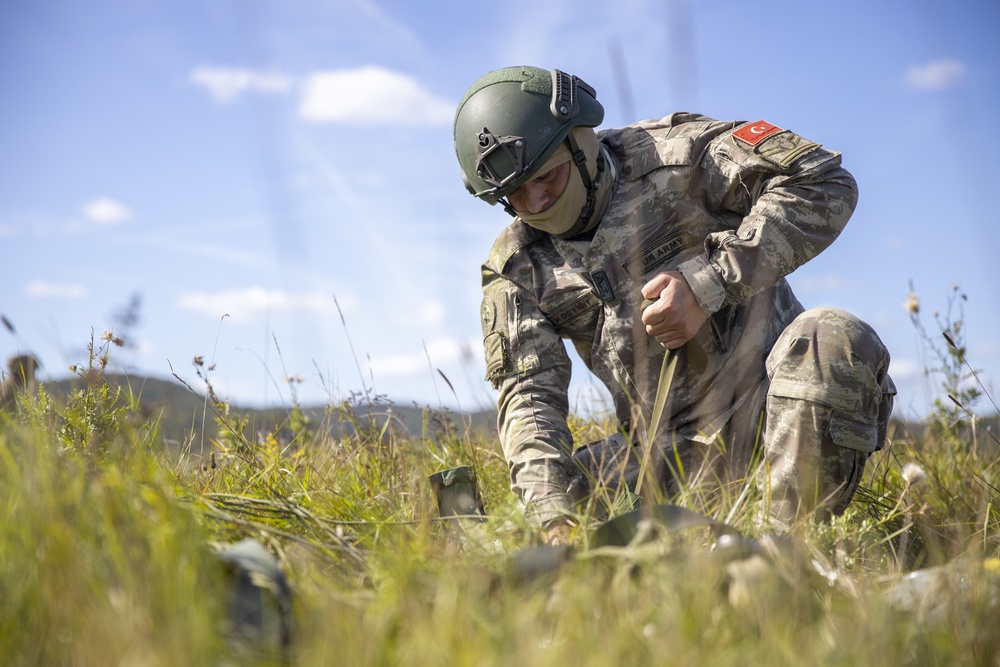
column 559, row 533
column 676, row 316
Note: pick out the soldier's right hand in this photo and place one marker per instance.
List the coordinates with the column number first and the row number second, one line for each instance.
column 675, row 316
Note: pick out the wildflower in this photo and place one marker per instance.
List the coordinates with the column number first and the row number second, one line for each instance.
column 912, row 304
column 913, row 474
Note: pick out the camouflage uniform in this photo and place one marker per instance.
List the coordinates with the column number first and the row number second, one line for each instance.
column 734, row 217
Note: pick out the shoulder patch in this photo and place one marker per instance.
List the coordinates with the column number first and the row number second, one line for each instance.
column 754, row 133
column 778, row 146
column 784, row 148
column 488, row 314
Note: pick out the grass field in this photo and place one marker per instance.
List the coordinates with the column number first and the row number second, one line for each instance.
column 108, row 551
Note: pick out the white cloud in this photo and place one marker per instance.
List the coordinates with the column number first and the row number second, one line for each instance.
column 371, row 96
column 427, row 314
column 431, row 314
column 935, row 75
column 41, row 289
column 254, row 302
column 106, row 211
column 225, row 85
column 441, row 351
column 904, row 369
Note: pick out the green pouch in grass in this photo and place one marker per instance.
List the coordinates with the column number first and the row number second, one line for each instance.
column 457, row 492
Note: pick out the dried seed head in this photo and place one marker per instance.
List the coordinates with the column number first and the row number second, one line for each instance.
column 914, row 474
column 199, row 360
column 118, row 341
column 108, row 335
column 912, row 304
column 73, row 368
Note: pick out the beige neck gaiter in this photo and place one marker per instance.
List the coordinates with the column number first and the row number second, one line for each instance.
column 561, row 219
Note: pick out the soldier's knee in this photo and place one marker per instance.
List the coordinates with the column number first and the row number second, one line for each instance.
column 833, row 334
column 830, row 357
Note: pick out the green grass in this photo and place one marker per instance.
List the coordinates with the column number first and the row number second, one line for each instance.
column 106, row 554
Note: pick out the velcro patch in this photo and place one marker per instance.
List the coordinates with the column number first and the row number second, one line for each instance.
column 574, row 309
column 603, row 285
column 658, row 254
column 754, row 133
column 784, row 148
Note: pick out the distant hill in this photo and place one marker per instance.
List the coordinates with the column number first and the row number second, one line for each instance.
column 183, row 413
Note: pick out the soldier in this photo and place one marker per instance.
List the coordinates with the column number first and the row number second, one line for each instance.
column 666, row 241
column 20, row 376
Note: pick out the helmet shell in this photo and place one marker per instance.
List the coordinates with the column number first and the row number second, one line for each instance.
column 511, row 120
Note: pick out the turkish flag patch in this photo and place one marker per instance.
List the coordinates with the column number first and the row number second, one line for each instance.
column 754, row 133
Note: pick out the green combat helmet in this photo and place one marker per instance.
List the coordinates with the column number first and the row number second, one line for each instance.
column 511, row 120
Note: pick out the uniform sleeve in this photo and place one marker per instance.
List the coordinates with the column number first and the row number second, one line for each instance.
column 527, row 363
column 791, row 197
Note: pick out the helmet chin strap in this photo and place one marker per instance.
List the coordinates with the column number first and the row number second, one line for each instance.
column 592, row 185
column 507, row 207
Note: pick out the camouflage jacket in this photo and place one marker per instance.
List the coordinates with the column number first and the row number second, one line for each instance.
column 734, row 207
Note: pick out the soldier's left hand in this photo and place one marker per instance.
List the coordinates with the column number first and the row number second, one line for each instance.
column 676, row 316
column 559, row 533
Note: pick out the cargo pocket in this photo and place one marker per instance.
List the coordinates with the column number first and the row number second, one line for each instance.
column 850, row 441
column 845, row 478
column 498, row 361
column 852, row 432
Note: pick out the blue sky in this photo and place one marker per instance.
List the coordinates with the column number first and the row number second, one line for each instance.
column 276, row 179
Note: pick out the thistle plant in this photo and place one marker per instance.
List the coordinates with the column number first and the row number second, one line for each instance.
column 952, row 418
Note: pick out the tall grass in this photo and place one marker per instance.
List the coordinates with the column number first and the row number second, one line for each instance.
column 107, row 552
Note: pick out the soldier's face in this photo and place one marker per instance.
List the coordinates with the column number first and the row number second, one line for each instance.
column 542, row 191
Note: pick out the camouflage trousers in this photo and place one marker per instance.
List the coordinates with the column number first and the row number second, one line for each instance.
column 806, row 432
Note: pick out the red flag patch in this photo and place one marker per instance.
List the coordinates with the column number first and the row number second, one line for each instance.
column 754, row 133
